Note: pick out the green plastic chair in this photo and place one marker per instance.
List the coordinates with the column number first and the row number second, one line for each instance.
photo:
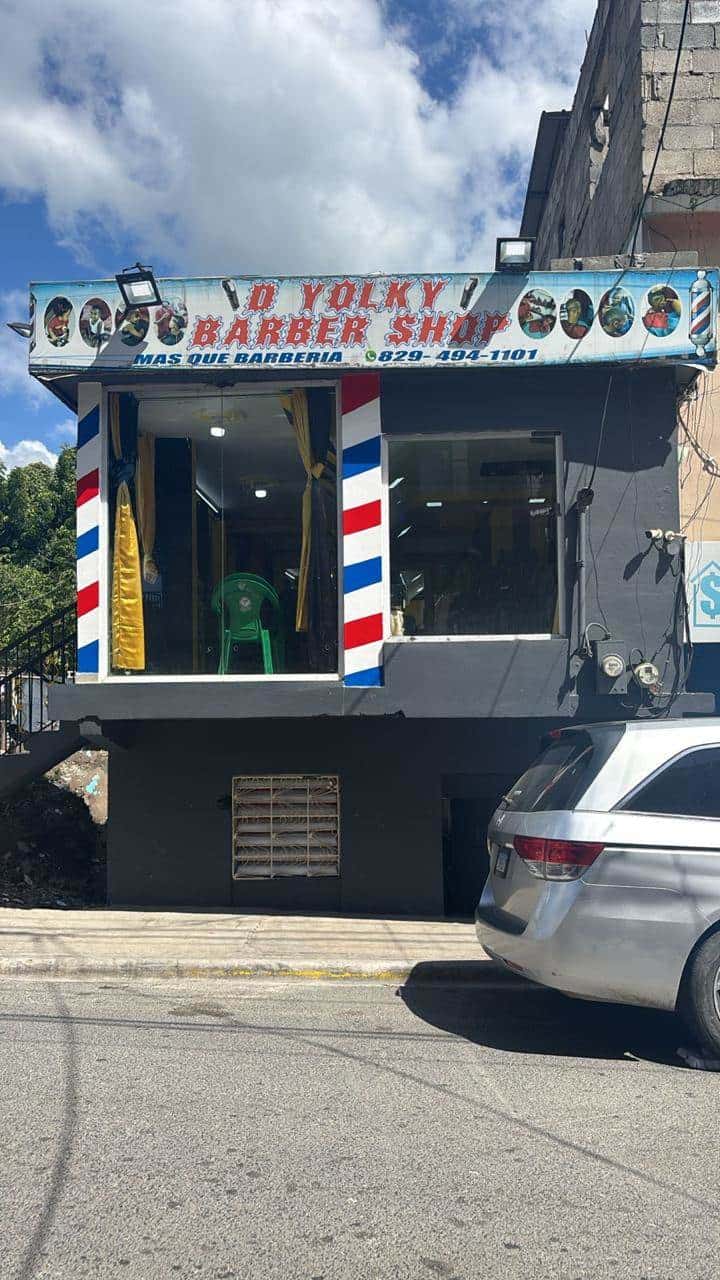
column 244, row 595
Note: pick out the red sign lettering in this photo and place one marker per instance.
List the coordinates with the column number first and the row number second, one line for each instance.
column 396, row 295
column 342, row 295
column 431, row 291
column 238, row 332
column 366, row 302
column 432, row 328
column 299, row 331
column 207, row 331
column 402, row 329
column 270, row 331
column 311, row 290
column 262, row 295
column 327, row 331
column 354, row 330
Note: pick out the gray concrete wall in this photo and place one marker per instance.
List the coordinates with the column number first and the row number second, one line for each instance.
column 169, row 828
column 631, row 56
column 595, row 188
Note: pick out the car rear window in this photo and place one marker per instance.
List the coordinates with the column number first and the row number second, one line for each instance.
column 562, row 772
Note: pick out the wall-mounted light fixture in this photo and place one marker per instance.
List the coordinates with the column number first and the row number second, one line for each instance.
column 514, row 255
column 231, row 293
column 138, row 287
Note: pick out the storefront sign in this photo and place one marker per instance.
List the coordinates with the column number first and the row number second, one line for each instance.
column 503, row 321
column 703, row 586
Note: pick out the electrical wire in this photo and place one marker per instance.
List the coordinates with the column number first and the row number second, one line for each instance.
column 601, row 433
column 663, row 130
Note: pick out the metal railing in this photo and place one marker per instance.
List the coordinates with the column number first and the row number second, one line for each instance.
column 42, row 656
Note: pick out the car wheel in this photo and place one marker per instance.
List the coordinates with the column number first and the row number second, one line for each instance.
column 700, row 996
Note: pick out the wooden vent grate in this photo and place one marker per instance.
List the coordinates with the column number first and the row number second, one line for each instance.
column 285, row 825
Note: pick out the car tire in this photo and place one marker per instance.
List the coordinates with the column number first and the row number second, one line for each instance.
column 699, row 1004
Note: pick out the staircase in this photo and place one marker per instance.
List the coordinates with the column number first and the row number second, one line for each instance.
column 31, row 743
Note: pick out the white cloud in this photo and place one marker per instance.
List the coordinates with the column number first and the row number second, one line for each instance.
column 65, row 431
column 25, row 451
column 278, row 135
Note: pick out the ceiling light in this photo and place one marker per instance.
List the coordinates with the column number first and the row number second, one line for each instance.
column 219, row 432
column 433, row 504
column 395, row 483
column 514, row 255
column 402, row 532
column 138, row 287
column 535, row 500
column 208, row 501
column 261, row 493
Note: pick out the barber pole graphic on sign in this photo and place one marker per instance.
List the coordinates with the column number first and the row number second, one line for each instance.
column 363, row 561
column 88, row 532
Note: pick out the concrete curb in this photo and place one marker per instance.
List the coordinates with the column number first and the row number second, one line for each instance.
column 430, row 973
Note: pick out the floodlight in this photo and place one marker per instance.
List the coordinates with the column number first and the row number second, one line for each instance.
column 514, row 255
column 138, row 287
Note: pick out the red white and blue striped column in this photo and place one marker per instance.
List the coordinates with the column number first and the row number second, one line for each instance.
column 364, row 570
column 88, row 531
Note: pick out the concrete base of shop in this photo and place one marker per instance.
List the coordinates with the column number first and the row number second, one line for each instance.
column 135, row 944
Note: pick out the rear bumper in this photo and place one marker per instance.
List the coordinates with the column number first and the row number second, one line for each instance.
column 597, row 942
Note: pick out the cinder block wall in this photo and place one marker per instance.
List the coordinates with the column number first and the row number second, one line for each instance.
column 595, row 188
column 596, row 191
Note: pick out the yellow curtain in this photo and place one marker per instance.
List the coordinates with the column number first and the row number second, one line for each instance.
column 296, row 407
column 145, row 499
column 128, row 629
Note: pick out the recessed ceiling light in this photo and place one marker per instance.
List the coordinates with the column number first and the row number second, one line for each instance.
column 533, row 501
column 433, row 504
column 219, row 432
column 395, row 483
column 261, row 493
column 404, row 531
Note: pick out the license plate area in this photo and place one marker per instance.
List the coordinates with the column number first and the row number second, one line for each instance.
column 502, row 861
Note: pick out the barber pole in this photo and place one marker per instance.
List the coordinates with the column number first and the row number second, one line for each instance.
column 363, row 562
column 88, row 532
column 701, row 319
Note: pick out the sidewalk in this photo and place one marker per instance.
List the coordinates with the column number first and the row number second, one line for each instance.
column 164, row 944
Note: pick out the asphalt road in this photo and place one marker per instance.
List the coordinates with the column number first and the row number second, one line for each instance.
column 267, row 1129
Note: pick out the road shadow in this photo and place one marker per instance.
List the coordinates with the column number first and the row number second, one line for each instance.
column 491, row 1007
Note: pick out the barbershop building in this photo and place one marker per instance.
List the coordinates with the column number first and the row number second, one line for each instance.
column 347, row 548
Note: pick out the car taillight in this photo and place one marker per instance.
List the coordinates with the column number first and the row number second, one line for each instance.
column 556, row 859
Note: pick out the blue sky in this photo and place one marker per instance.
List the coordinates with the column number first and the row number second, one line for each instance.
column 279, row 135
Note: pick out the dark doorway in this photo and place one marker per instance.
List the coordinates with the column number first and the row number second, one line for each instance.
column 469, row 802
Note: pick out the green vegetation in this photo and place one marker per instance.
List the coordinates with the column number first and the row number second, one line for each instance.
column 37, row 543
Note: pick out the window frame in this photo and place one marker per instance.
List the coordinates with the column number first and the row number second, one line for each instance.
column 621, row 806
column 423, row 437
column 196, row 389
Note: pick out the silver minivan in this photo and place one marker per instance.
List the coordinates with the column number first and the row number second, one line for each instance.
column 605, row 868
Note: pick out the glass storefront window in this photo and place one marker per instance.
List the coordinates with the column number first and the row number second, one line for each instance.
column 223, row 533
column 473, row 536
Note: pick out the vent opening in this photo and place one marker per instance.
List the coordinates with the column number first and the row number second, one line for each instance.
column 285, row 825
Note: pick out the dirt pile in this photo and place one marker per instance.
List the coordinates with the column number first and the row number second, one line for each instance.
column 52, row 837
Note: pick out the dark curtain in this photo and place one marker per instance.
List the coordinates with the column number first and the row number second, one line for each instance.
column 322, row 635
